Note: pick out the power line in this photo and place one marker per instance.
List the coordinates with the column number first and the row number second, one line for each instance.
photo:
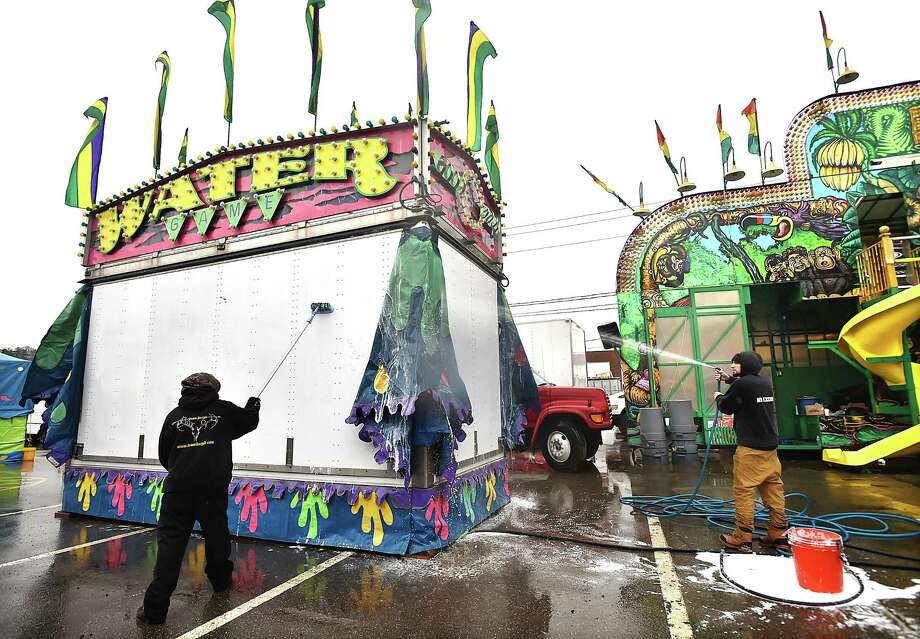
column 577, row 309
column 573, row 298
column 552, row 246
column 568, row 226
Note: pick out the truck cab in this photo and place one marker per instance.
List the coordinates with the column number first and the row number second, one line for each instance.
column 567, row 430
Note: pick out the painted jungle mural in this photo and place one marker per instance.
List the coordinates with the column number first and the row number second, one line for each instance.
column 768, row 237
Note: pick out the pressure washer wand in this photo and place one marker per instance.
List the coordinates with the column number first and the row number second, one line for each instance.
column 316, row 308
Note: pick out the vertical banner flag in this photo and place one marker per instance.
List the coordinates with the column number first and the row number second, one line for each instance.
column 604, row 186
column 163, row 59
column 354, row 115
column 422, row 11
column 316, row 51
column 84, row 174
column 663, row 145
column 183, row 150
column 225, row 13
column 827, row 42
column 725, row 140
column 750, row 112
column 479, row 49
column 492, row 164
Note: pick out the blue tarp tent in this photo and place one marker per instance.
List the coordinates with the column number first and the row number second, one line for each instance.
column 12, row 415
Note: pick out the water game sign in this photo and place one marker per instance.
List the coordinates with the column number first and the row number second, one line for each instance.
column 463, row 195
column 244, row 190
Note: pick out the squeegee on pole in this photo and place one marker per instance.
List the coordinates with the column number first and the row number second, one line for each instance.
column 316, row 308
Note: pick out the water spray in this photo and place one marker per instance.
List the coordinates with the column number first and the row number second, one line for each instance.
column 316, row 308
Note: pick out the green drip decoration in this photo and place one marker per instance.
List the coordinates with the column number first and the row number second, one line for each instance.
column 268, row 203
column 59, row 413
column 203, row 218
column 174, row 224
column 234, row 211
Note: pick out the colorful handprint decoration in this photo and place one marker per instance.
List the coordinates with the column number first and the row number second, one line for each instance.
column 373, row 515
column 155, row 488
column 312, row 507
column 254, row 502
column 490, row 491
column 121, row 491
column 437, row 510
column 469, row 499
column 86, row 489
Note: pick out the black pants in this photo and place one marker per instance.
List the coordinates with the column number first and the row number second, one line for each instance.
column 177, row 517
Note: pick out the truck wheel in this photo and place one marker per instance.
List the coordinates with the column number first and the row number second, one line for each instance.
column 564, row 447
column 593, row 442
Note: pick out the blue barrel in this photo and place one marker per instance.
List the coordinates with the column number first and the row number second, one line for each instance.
column 804, row 401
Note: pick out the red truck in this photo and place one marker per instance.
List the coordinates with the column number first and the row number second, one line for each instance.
column 568, row 428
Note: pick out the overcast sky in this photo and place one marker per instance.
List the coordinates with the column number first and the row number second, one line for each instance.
column 574, row 82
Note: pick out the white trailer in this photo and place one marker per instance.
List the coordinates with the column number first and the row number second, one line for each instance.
column 556, row 350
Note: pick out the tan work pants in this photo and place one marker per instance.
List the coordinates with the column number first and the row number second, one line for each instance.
column 758, row 470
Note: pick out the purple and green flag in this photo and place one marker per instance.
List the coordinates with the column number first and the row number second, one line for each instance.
column 84, row 174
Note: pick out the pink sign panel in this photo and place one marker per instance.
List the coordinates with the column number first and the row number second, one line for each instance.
column 310, row 200
column 463, row 195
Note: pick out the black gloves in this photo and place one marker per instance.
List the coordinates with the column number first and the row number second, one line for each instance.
column 253, row 404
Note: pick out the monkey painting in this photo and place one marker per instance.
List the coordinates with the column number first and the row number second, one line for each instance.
column 833, row 276
column 670, row 264
column 777, row 269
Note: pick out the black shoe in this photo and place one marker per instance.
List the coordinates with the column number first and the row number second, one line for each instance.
column 143, row 618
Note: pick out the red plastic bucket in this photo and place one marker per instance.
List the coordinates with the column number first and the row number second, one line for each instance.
column 817, row 557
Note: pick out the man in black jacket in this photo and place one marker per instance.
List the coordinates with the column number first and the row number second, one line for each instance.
column 196, row 447
column 756, row 467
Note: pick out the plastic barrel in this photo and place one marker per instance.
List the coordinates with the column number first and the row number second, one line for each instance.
column 681, row 416
column 818, row 561
column 802, row 402
column 651, row 421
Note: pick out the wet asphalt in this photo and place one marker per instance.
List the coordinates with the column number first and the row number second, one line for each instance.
column 489, row 584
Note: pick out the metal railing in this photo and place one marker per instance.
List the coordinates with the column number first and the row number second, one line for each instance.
column 875, row 266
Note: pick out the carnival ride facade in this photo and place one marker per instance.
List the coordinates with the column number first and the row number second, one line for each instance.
column 817, row 273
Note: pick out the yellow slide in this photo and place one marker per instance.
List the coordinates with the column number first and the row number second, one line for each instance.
column 875, row 332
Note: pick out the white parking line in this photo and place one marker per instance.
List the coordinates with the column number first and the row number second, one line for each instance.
column 678, row 621
column 29, row 510
column 268, row 595
column 69, row 548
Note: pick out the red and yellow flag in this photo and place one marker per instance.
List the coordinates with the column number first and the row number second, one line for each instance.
column 750, row 112
column 827, row 41
column 663, row 145
column 725, row 140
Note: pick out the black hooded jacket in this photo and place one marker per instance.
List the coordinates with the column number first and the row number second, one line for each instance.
column 196, row 442
column 750, row 400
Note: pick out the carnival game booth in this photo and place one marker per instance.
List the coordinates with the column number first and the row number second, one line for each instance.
column 817, row 272
column 384, row 428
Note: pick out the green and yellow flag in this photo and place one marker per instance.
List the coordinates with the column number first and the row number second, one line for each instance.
column 84, row 174
column 491, row 152
column 422, row 11
column 725, row 140
column 225, row 12
column 604, row 186
column 316, row 51
column 750, row 112
column 354, row 115
column 827, row 42
column 183, row 150
column 663, row 145
column 163, row 59
column 479, row 49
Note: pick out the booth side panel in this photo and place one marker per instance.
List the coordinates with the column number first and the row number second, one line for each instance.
column 473, row 312
column 236, row 320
